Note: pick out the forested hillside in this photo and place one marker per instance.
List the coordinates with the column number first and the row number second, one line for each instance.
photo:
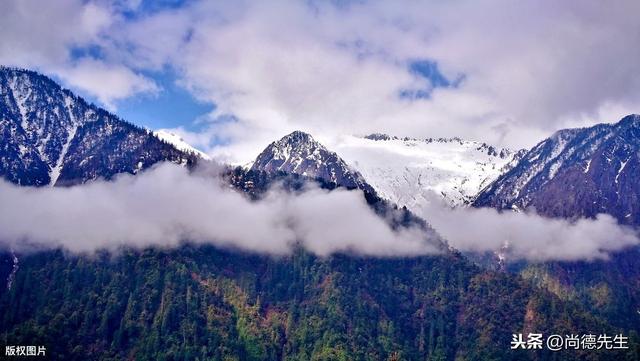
column 201, row 303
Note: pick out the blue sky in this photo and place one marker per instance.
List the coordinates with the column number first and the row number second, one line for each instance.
column 173, row 106
column 433, row 77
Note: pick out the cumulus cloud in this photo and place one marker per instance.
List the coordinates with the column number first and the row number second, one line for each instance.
column 529, row 236
column 167, row 206
column 44, row 35
column 338, row 67
column 41, row 33
column 106, row 82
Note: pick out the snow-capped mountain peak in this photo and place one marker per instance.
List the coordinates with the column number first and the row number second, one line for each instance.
column 411, row 171
column 407, row 171
column 299, row 153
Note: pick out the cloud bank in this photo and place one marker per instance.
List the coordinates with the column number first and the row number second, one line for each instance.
column 167, row 206
column 528, row 236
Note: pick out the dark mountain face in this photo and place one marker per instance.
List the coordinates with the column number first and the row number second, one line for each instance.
column 576, row 173
column 50, row 136
column 299, row 153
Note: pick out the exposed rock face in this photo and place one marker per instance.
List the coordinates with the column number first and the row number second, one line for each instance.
column 299, row 153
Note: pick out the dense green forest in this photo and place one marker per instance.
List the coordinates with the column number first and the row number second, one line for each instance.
column 203, row 303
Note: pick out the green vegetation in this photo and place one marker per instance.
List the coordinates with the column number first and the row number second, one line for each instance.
column 201, row 303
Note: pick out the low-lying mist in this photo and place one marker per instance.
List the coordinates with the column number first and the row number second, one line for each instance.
column 528, row 236
column 166, row 206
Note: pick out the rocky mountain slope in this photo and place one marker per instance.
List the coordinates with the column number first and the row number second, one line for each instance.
column 576, row 173
column 299, row 153
column 49, row 136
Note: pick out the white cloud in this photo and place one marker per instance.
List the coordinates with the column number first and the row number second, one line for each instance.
column 106, row 82
column 544, row 62
column 527, row 235
column 166, row 206
column 530, row 67
column 42, row 35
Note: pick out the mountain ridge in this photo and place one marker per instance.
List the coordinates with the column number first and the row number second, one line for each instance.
column 576, row 172
column 50, row 136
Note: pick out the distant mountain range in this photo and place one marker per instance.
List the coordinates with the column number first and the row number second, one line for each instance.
column 50, row 136
column 200, row 302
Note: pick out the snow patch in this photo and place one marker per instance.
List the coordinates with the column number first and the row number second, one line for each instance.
column 54, row 174
column 14, row 270
column 179, row 143
column 622, row 165
column 410, row 171
column 20, row 97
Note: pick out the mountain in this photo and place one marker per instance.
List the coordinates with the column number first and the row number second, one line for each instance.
column 406, row 171
column 576, row 173
column 198, row 302
column 49, row 136
column 410, row 171
column 579, row 173
column 299, row 153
